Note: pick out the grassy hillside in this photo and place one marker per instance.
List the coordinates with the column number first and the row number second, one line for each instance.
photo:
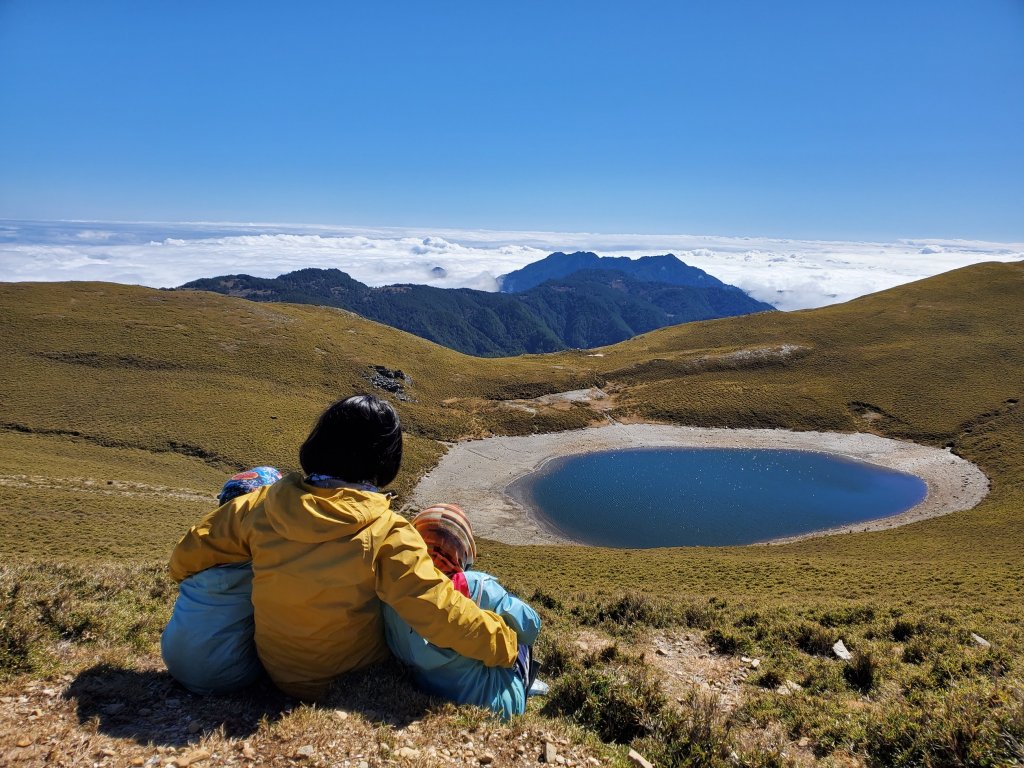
column 122, row 408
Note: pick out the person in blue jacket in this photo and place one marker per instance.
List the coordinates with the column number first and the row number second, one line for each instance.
column 441, row 671
column 208, row 644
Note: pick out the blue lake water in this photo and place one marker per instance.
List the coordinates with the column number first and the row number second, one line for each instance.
column 672, row 497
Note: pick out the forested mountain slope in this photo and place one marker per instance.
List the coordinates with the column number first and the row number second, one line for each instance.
column 583, row 309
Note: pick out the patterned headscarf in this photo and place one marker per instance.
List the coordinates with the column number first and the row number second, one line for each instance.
column 247, row 482
column 449, row 537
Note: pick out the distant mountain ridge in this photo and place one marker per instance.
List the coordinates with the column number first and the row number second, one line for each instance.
column 582, row 309
column 667, row 268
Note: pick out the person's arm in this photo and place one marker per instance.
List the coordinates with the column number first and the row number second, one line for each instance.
column 217, row 539
column 491, row 596
column 408, row 581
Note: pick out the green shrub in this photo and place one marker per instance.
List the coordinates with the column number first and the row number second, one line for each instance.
column 968, row 726
column 918, row 650
column 694, row 734
column 700, row 616
column 862, row 671
column 749, row 619
column 618, row 706
column 20, row 638
column 544, row 600
column 814, row 639
column 556, row 655
column 612, row 654
column 844, row 616
column 41, row 606
column 728, row 642
column 994, row 662
column 626, row 612
column 948, row 668
column 768, row 678
column 903, row 630
column 825, row 676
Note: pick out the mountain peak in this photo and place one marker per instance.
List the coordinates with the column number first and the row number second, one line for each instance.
column 666, row 268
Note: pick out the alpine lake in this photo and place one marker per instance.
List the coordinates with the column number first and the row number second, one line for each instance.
column 674, row 497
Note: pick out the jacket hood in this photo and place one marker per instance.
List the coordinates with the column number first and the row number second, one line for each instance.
column 311, row 515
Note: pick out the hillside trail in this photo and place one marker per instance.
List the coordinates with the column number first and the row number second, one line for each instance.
column 685, row 664
column 684, row 661
column 122, row 488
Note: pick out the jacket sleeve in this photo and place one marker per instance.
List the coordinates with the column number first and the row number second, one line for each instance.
column 491, row 596
column 429, row 603
column 217, row 539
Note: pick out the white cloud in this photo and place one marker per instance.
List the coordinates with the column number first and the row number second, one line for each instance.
column 94, row 235
column 791, row 274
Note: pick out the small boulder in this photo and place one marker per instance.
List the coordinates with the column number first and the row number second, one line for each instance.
column 840, row 650
column 192, row 758
column 639, row 760
column 550, row 753
column 788, row 687
column 980, row 641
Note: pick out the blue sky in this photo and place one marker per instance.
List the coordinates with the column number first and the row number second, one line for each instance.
column 785, row 119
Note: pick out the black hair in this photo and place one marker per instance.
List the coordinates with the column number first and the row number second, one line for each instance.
column 358, row 439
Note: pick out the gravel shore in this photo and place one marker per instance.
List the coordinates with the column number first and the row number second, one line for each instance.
column 481, row 475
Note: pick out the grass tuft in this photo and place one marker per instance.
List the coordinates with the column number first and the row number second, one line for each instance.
column 862, row 671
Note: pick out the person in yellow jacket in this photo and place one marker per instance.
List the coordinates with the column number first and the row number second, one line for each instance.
column 326, row 550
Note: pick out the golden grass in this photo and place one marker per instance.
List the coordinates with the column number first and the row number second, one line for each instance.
column 134, row 386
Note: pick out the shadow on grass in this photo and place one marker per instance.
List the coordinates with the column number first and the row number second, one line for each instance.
column 149, row 707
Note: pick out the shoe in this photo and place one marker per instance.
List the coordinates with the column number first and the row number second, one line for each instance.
column 539, row 688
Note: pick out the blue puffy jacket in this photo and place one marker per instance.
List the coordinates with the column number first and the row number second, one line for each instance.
column 444, row 673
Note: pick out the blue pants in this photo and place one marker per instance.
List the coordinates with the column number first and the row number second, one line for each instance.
column 208, row 644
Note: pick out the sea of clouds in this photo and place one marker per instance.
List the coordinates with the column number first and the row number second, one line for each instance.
column 790, row 274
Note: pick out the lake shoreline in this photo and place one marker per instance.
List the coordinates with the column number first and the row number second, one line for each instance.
column 482, row 475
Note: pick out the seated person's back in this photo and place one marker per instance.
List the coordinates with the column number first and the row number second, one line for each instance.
column 325, row 550
column 208, row 643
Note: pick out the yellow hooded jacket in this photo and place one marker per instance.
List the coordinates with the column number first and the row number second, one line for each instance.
column 323, row 559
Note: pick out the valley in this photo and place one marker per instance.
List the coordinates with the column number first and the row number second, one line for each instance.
column 123, row 408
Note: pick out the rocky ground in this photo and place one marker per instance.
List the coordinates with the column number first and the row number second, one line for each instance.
column 107, row 716
column 110, row 714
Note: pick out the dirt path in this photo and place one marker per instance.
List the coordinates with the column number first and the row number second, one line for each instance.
column 104, row 487
column 684, row 662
